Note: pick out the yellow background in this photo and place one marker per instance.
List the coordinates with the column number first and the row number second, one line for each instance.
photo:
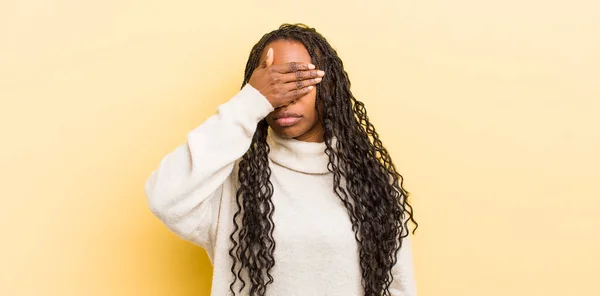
column 489, row 108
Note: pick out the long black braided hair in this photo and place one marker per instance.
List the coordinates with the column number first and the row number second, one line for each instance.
column 364, row 178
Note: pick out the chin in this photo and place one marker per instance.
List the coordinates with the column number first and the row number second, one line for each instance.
column 291, row 132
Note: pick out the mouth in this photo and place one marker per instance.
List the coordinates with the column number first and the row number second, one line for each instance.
column 287, row 118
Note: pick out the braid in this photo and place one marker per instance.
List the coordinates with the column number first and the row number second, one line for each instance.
column 364, row 178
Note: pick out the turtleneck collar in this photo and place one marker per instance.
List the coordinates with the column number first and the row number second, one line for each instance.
column 300, row 156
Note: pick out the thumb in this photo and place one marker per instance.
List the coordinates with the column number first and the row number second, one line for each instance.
column 269, row 60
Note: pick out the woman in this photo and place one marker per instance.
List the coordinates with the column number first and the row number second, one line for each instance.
column 288, row 187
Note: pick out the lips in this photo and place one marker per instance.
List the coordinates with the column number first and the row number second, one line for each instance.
column 286, row 114
column 287, row 118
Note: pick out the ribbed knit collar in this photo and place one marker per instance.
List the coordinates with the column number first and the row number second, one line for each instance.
column 300, row 156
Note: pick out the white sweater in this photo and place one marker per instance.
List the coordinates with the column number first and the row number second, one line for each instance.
column 193, row 192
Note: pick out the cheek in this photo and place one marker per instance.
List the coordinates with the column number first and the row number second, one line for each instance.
column 309, row 106
column 269, row 119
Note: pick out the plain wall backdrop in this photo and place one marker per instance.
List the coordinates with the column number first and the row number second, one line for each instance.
column 489, row 109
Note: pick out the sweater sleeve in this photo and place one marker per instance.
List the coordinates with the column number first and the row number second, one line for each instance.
column 404, row 283
column 186, row 187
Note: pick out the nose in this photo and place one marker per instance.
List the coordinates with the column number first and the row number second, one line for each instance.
column 290, row 103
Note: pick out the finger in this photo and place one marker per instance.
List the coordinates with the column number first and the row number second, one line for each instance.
column 299, row 84
column 298, row 93
column 292, row 67
column 302, row 75
column 269, row 60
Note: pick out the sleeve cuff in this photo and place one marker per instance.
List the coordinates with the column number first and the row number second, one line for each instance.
column 247, row 107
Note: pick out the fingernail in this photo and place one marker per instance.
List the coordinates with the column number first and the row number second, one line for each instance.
column 318, row 79
column 310, row 87
column 321, row 73
column 311, row 66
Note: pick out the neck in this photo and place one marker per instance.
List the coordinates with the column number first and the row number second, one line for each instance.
column 299, row 155
column 315, row 135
